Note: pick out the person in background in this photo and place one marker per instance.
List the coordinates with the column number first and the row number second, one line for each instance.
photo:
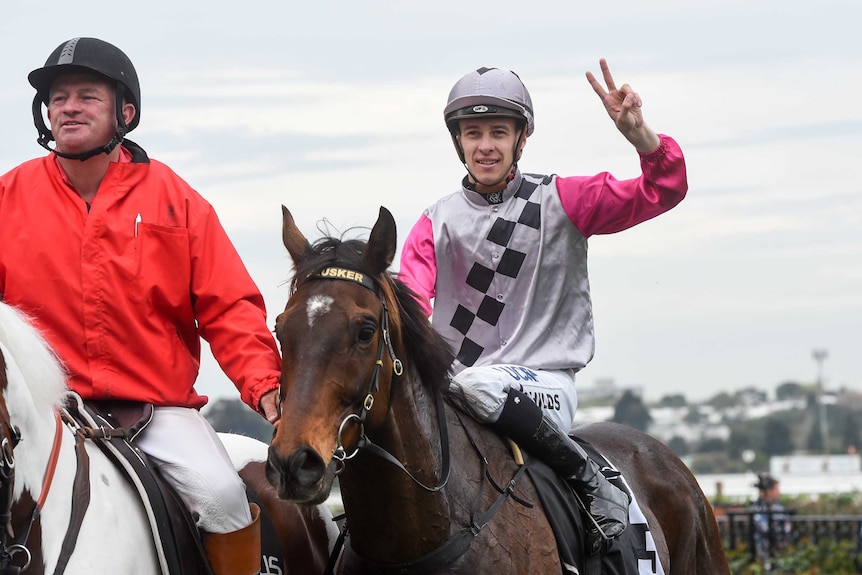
column 504, row 260
column 124, row 267
column 771, row 527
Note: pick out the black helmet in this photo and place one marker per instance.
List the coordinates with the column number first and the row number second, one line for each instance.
column 765, row 482
column 92, row 56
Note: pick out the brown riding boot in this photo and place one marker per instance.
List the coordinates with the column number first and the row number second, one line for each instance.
column 237, row 552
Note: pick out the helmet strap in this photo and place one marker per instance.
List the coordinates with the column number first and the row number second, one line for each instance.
column 46, row 136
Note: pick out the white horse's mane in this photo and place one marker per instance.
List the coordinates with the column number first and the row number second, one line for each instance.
column 26, row 350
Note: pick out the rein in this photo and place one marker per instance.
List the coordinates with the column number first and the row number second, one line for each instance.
column 365, row 442
column 79, row 502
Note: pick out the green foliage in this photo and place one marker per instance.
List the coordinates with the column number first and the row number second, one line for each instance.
column 741, row 438
column 849, row 431
column 673, row 400
column 678, row 445
column 807, row 557
column 814, row 440
column 723, row 400
column 804, row 558
column 778, row 440
column 714, row 462
column 712, row 445
column 630, row 410
column 790, row 390
column 783, row 432
column 848, row 503
column 693, row 416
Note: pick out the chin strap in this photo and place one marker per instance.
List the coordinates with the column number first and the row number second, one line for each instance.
column 46, row 136
column 472, row 180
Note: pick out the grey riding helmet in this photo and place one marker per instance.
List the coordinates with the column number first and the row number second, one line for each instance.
column 92, row 56
column 488, row 92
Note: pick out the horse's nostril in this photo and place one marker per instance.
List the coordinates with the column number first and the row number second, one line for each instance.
column 306, row 466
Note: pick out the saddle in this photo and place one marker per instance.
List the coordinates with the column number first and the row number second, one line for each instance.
column 113, row 427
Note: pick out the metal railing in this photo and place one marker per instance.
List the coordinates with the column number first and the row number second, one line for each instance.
column 764, row 532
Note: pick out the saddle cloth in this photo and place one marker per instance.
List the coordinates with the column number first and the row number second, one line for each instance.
column 633, row 553
column 175, row 536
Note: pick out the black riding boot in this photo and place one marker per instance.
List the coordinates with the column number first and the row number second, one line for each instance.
column 523, row 422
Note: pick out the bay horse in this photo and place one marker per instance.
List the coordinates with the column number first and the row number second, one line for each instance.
column 426, row 489
column 39, row 490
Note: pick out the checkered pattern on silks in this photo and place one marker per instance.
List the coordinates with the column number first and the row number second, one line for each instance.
column 516, row 237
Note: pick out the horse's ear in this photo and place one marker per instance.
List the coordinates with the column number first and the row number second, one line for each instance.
column 296, row 244
column 380, row 250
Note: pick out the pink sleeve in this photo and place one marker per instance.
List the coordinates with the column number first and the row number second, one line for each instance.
column 418, row 269
column 601, row 204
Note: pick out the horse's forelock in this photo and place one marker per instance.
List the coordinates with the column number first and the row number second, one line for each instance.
column 330, row 251
column 424, row 348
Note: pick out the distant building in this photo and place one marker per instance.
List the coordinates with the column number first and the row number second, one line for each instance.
column 784, row 465
column 670, row 422
column 605, row 388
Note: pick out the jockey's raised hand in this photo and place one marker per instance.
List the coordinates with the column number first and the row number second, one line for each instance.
column 623, row 105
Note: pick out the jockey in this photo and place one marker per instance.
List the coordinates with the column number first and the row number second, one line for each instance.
column 504, row 260
column 124, row 268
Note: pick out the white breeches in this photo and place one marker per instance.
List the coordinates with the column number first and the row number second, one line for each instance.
column 190, row 456
column 483, row 391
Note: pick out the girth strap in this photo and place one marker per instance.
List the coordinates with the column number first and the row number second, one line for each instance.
column 80, row 503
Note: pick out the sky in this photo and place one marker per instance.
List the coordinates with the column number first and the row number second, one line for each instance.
column 334, row 108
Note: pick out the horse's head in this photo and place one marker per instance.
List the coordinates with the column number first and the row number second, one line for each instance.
column 338, row 360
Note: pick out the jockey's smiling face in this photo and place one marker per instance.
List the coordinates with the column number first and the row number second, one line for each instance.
column 81, row 112
column 489, row 149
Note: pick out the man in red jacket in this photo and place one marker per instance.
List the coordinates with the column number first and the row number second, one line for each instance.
column 124, row 267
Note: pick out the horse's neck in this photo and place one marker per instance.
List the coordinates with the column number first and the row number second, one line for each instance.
column 35, row 384
column 381, row 499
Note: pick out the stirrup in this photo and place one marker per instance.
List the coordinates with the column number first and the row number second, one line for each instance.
column 597, row 541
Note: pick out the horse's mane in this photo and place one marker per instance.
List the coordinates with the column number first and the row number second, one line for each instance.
column 25, row 348
column 424, row 349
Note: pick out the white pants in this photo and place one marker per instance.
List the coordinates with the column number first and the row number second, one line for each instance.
column 483, row 391
column 190, row 456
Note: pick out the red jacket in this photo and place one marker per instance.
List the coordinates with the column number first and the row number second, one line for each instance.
column 124, row 291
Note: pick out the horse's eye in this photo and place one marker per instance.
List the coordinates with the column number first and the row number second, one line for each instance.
column 366, row 332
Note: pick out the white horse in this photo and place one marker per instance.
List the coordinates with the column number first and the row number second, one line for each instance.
column 115, row 535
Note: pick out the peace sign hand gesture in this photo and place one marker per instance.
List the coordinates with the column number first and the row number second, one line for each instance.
column 624, row 107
